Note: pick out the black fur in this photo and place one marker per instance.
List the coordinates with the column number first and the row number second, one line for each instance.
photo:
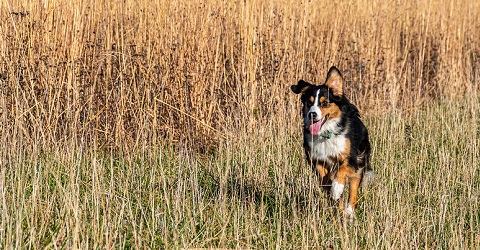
column 349, row 125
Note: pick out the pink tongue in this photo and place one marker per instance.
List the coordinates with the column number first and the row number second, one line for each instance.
column 315, row 128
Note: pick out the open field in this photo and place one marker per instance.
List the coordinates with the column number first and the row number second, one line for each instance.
column 170, row 124
column 254, row 191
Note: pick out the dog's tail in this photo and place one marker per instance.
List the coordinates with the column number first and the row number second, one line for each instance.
column 368, row 177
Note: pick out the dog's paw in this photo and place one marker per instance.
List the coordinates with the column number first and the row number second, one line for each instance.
column 337, row 190
column 349, row 213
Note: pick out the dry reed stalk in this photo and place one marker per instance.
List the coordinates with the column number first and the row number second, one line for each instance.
column 104, row 107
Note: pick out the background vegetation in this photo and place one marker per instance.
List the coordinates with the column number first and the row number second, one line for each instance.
column 152, row 124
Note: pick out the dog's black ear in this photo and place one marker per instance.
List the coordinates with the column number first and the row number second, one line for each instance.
column 301, row 87
column 335, row 81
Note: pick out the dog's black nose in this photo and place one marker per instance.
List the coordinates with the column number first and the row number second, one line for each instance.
column 312, row 115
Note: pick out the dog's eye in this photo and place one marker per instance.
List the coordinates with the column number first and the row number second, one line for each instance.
column 324, row 104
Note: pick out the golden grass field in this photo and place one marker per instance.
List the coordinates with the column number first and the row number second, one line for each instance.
column 171, row 124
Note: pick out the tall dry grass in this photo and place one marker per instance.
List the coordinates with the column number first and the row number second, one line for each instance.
column 121, row 74
column 170, row 123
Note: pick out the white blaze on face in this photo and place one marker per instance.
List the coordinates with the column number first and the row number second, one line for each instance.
column 317, row 123
column 315, row 108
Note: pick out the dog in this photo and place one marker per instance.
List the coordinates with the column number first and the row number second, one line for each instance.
column 336, row 141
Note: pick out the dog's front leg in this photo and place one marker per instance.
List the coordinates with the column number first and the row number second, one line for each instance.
column 352, row 199
column 338, row 183
column 322, row 173
column 346, row 173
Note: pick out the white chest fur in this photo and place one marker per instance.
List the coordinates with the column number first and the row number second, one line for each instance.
column 323, row 148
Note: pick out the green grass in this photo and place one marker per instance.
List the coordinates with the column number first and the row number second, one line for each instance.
column 170, row 124
column 254, row 191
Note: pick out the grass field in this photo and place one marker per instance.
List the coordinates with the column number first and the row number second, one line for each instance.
column 170, row 124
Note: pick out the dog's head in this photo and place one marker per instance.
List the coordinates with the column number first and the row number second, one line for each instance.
column 321, row 103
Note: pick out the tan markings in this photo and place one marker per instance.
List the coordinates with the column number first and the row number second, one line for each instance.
column 341, row 178
column 333, row 173
column 346, row 151
column 335, row 111
column 321, row 171
column 312, row 99
column 343, row 157
column 357, row 174
column 346, row 172
column 340, row 205
column 342, row 174
column 335, row 82
column 352, row 199
column 332, row 110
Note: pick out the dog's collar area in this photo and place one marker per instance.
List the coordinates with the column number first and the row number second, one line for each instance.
column 326, row 134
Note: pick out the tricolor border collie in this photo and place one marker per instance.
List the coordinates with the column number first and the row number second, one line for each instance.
column 335, row 140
